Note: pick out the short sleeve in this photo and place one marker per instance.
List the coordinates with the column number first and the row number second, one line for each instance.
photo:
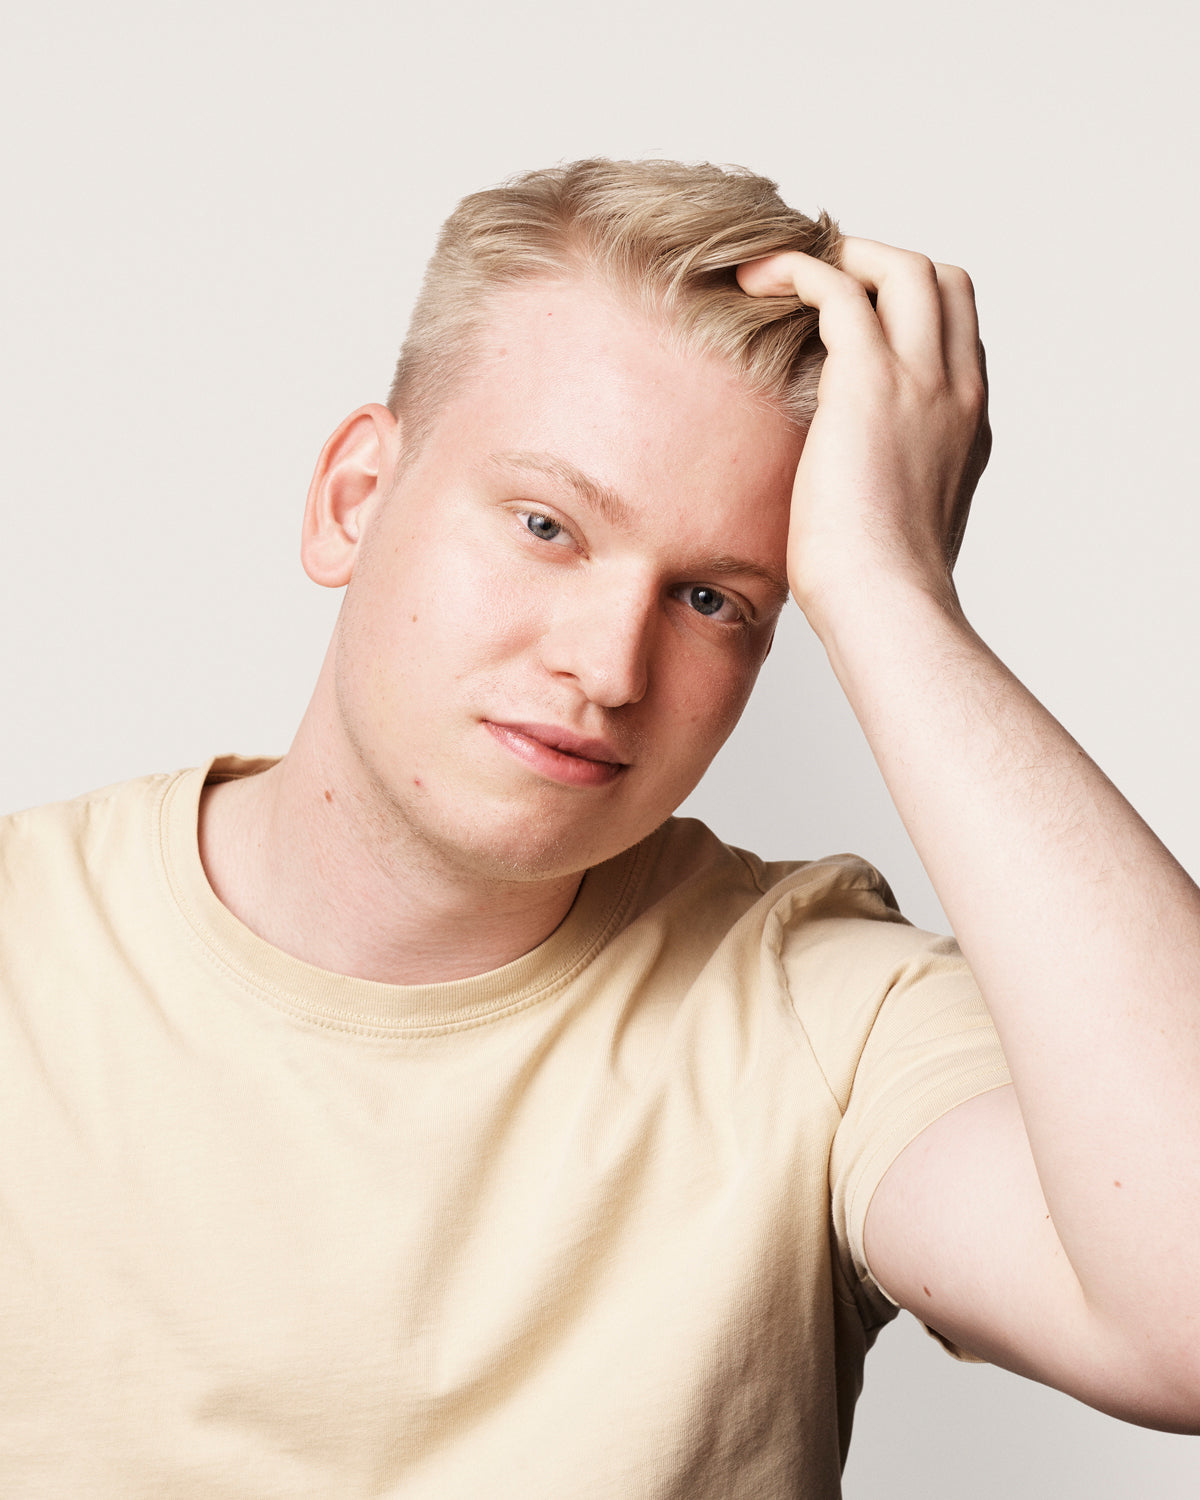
column 902, row 1035
column 932, row 1047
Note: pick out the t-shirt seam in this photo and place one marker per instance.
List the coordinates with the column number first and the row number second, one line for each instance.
column 865, row 878
column 798, row 1019
column 857, row 883
column 98, row 798
column 750, row 870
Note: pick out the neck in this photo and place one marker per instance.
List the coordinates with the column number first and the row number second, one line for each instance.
column 321, row 875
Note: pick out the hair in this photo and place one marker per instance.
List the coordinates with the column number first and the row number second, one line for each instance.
column 666, row 236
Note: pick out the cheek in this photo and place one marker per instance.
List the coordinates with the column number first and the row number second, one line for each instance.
column 494, row 609
column 711, row 699
column 717, row 692
column 461, row 614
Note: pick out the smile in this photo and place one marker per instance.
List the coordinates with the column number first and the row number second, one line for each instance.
column 558, row 754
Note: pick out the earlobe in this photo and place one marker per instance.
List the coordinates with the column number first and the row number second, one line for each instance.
column 353, row 473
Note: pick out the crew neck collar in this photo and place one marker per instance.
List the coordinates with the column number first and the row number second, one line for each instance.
column 346, row 1003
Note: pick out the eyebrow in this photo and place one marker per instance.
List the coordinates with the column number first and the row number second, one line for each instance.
column 608, row 504
column 605, row 501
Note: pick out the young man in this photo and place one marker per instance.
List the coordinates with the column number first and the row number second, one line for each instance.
column 427, row 1113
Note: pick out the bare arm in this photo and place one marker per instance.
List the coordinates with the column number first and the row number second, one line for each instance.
column 1056, row 1231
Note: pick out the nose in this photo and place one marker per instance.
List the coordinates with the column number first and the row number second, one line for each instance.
column 605, row 644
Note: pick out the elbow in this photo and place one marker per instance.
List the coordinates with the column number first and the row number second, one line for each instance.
column 1162, row 1387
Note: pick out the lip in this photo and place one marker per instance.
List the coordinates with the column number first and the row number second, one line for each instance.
column 560, row 754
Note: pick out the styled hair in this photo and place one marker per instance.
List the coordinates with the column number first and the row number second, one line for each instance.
column 664, row 235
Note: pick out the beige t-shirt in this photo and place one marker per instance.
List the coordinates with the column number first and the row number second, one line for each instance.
column 586, row 1226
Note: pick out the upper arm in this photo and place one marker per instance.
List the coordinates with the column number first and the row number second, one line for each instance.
column 958, row 1232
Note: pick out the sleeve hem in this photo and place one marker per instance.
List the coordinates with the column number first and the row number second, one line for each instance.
column 931, row 1107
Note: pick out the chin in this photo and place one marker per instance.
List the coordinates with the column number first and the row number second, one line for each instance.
column 533, row 858
column 524, row 849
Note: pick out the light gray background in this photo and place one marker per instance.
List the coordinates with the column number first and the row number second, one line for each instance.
column 215, row 220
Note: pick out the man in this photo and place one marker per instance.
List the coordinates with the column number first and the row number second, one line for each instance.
column 428, row 1114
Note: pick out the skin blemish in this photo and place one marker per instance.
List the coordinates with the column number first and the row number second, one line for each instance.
column 927, row 1292
column 416, row 781
column 1116, row 1183
column 328, row 795
column 414, row 619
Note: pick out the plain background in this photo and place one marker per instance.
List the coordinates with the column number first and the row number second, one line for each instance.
column 216, row 218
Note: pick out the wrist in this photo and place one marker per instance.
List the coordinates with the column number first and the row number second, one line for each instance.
column 857, row 604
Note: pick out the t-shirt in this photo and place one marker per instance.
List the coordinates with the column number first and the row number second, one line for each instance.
column 589, row 1225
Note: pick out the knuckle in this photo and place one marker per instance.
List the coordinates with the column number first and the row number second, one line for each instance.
column 973, row 392
column 920, row 265
column 958, row 279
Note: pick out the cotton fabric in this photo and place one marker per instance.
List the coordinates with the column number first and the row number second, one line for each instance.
column 589, row 1225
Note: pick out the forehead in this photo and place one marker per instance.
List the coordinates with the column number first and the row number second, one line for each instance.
column 567, row 368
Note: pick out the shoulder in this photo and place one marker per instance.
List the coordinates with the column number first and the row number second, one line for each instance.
column 75, row 818
column 826, row 937
column 50, row 855
column 825, row 932
column 32, row 829
column 688, row 859
column 97, row 823
column 819, row 918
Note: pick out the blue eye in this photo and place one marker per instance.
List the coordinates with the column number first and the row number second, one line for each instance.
column 706, row 601
column 542, row 526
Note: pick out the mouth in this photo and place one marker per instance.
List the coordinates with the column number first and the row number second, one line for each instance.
column 559, row 754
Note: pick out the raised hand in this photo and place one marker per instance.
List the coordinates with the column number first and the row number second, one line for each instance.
column 901, row 434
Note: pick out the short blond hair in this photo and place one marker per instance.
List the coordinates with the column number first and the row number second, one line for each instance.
column 665, row 235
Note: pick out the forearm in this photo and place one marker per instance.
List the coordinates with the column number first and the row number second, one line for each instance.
column 1082, row 931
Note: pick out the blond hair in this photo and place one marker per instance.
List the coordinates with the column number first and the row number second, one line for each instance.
column 665, row 235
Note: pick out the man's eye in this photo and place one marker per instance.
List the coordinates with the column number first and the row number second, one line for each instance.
column 710, row 602
column 544, row 527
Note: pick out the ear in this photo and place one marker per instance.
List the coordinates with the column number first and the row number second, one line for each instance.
column 353, row 474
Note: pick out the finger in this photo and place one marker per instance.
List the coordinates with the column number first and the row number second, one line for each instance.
column 908, row 300
column 845, row 311
column 960, row 325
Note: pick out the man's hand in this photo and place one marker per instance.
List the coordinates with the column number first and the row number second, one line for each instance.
column 901, row 435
